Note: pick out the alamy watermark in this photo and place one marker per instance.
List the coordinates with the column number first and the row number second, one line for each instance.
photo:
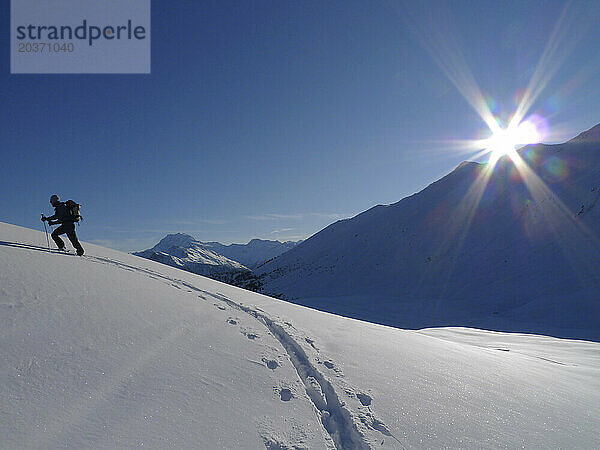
column 80, row 36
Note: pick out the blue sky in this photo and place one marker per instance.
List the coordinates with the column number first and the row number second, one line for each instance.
column 273, row 119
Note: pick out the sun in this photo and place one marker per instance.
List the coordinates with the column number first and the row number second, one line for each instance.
column 505, row 141
column 502, row 142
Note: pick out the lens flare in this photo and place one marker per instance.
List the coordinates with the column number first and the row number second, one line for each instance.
column 556, row 168
column 505, row 141
column 526, row 167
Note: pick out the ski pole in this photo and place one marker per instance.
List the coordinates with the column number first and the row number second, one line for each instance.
column 46, row 230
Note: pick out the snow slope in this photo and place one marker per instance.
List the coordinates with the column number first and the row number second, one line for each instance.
column 524, row 244
column 116, row 351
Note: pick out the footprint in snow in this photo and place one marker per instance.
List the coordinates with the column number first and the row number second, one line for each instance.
column 329, row 365
column 271, row 443
column 311, row 343
column 380, row 426
column 231, row 321
column 270, row 363
column 286, row 394
column 222, row 308
column 372, row 422
column 364, row 399
column 250, row 335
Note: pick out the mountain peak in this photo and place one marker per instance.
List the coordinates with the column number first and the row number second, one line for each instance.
column 257, row 241
column 466, row 163
column 176, row 240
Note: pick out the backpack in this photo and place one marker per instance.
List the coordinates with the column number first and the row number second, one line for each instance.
column 73, row 210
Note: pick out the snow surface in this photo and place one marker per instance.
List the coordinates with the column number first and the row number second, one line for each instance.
column 115, row 351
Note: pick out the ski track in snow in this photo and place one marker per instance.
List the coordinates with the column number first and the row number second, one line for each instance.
column 336, row 419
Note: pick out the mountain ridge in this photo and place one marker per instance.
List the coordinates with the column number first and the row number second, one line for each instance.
column 228, row 263
column 473, row 243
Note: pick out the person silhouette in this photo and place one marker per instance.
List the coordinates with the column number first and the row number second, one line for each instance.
column 64, row 217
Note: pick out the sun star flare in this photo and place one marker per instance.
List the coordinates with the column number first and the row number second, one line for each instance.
column 505, row 141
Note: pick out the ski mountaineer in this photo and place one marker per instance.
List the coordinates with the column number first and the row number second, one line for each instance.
column 63, row 216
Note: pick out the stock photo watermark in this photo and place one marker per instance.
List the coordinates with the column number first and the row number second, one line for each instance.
column 80, row 36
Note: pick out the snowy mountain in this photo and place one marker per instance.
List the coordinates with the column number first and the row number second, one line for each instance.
column 228, row 263
column 110, row 350
column 183, row 251
column 252, row 254
column 520, row 243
